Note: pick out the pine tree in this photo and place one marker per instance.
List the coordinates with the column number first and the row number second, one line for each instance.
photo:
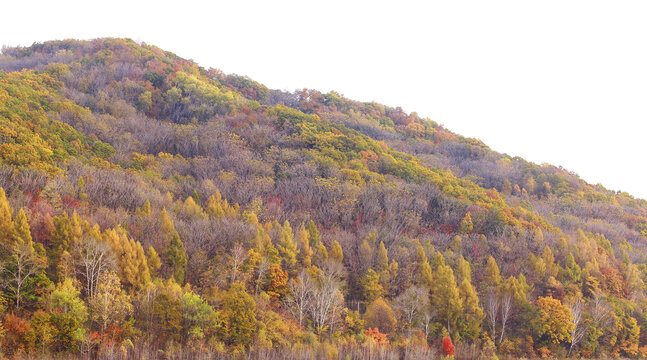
column 145, row 210
column 365, row 255
column 6, row 224
column 445, row 296
column 573, row 270
column 191, row 210
column 466, row 224
column 382, row 261
column 23, row 263
column 315, row 237
column 131, row 260
column 153, row 260
column 321, row 254
column 175, row 254
column 549, row 259
column 214, row 208
column 336, row 252
column 239, row 316
column 166, row 225
column 472, row 314
column 60, row 241
column 423, row 276
column 176, row 259
column 305, row 251
column 456, row 245
column 463, row 270
column 506, row 189
column 287, row 246
column 196, row 197
column 492, row 274
column 371, row 287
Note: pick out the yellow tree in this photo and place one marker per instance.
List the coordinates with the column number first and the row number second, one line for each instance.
column 472, row 314
column 287, row 246
column 466, row 224
column 492, row 274
column 423, row 276
column 131, row 260
column 336, row 253
column 305, row 251
column 315, row 237
column 445, row 296
column 153, row 260
column 380, row 315
column 382, row 261
column 555, row 320
column 109, row 305
column 6, row 224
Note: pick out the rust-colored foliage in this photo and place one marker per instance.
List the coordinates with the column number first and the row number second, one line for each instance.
column 448, row 346
column 375, row 334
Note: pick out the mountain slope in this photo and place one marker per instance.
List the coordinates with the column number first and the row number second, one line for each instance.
column 210, row 170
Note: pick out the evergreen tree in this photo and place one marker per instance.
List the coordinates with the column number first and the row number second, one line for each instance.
column 492, row 274
column 315, row 237
column 423, row 276
column 321, row 254
column 305, row 251
column 131, row 260
column 24, row 262
column 365, row 255
column 6, row 224
column 287, row 246
column 153, row 260
column 463, row 270
column 175, row 258
column 371, row 287
column 382, row 262
column 239, row 316
column 336, row 252
column 472, row 314
column 466, row 226
column 445, row 297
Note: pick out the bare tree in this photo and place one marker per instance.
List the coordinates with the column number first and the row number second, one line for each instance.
column 427, row 316
column 22, row 265
column 300, row 296
column 600, row 311
column 237, row 257
column 506, row 310
column 492, row 304
column 144, row 304
column 93, row 257
column 577, row 309
column 262, row 269
column 327, row 300
column 412, row 304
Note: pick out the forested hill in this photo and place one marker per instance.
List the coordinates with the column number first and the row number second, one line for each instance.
column 154, row 208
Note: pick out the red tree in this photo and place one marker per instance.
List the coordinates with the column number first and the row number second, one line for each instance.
column 448, row 347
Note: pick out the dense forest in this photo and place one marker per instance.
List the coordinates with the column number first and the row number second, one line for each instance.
column 151, row 208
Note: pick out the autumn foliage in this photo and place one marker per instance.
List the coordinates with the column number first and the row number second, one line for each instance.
column 151, row 207
column 448, row 347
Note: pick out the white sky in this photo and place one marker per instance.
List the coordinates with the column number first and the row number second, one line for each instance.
column 562, row 82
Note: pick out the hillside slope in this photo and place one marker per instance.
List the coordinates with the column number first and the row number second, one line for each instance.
column 179, row 175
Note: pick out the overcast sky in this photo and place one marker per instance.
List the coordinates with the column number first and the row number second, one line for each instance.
column 560, row 82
